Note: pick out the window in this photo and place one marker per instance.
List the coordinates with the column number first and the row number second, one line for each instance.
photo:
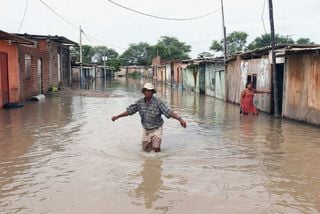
column 252, row 78
column 213, row 84
column 27, row 66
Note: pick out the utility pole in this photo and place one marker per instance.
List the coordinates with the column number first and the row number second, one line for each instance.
column 104, row 65
column 225, row 54
column 80, row 55
column 224, row 35
column 274, row 63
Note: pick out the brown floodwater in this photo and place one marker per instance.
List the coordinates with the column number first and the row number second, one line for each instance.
column 65, row 155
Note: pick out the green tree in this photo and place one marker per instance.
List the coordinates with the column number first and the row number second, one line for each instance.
column 205, row 55
column 235, row 42
column 216, row 46
column 74, row 52
column 137, row 54
column 101, row 51
column 87, row 54
column 115, row 63
column 265, row 41
column 304, row 41
column 171, row 48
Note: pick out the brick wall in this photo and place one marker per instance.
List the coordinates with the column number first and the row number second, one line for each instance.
column 52, row 47
column 29, row 83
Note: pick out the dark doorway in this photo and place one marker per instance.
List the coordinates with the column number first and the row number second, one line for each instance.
column 202, row 79
column 172, row 74
column 280, row 76
column 4, row 78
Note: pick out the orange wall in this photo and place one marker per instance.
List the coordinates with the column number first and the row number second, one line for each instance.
column 13, row 69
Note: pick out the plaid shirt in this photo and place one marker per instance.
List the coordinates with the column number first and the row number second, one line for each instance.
column 150, row 113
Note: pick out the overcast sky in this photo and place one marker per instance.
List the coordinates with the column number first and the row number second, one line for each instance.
column 107, row 24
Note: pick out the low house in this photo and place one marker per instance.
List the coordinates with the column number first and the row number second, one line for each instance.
column 58, row 48
column 205, row 76
column 176, row 73
column 156, row 65
column 168, row 71
column 297, row 70
column 160, row 73
column 23, row 68
column 90, row 72
column 253, row 67
column 85, row 72
column 105, row 71
column 301, row 85
column 122, row 72
column 134, row 70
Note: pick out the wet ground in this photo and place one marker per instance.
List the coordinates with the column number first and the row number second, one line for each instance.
column 65, row 155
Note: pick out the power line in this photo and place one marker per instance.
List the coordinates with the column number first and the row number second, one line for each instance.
column 24, row 15
column 85, row 35
column 75, row 26
column 59, row 15
column 100, row 41
column 165, row 18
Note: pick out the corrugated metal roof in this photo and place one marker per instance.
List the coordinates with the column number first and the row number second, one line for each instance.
column 278, row 49
column 61, row 39
column 14, row 38
column 204, row 60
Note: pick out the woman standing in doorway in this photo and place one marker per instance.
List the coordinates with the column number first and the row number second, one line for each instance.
column 246, row 99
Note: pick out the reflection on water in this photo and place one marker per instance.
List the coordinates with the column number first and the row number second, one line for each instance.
column 151, row 182
column 65, row 155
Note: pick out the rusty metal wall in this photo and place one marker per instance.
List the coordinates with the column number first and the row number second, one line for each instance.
column 233, row 77
column 190, row 77
column 262, row 68
column 302, row 88
column 215, row 80
column 236, row 77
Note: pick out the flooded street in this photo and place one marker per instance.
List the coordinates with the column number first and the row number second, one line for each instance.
column 65, row 155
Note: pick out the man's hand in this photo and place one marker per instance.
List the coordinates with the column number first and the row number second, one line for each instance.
column 182, row 123
column 114, row 118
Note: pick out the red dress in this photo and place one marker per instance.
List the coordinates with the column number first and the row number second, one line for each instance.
column 247, row 103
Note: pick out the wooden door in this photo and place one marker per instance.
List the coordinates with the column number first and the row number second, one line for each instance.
column 4, row 78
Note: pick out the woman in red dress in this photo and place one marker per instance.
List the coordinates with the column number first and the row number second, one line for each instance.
column 246, row 99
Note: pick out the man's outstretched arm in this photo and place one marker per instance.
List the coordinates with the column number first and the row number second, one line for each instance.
column 116, row 117
column 177, row 117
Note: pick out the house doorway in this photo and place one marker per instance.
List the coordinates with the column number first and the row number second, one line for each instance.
column 4, row 78
column 39, row 71
column 202, row 79
column 280, row 76
column 172, row 74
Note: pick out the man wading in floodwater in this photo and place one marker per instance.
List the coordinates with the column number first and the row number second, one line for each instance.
column 150, row 109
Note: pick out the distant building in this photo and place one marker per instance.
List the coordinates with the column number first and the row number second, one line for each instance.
column 141, row 71
column 205, row 76
column 90, row 72
column 168, row 71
